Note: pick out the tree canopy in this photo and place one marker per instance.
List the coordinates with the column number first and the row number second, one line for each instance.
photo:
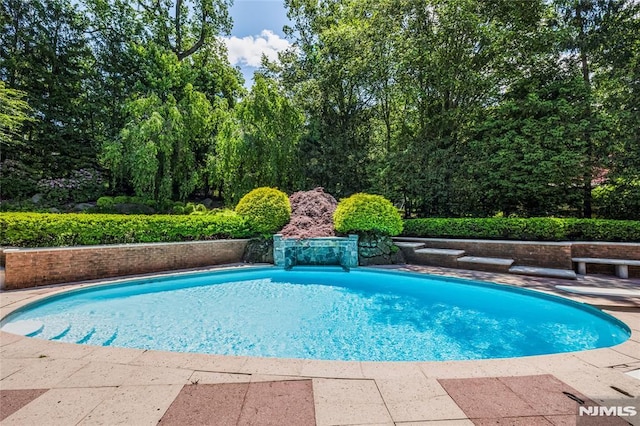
column 446, row 107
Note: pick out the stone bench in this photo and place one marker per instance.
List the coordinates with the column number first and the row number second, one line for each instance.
column 622, row 265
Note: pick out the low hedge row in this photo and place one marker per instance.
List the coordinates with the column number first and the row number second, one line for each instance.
column 531, row 229
column 52, row 230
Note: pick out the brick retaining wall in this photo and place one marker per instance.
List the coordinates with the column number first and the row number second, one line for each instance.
column 541, row 253
column 526, row 253
column 42, row 266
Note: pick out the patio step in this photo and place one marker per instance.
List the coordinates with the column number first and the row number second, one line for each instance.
column 487, row 264
column 438, row 257
column 543, row 272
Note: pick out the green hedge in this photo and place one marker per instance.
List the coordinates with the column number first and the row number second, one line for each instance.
column 52, row 230
column 532, row 229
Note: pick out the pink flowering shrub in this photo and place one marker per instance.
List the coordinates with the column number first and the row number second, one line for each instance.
column 81, row 186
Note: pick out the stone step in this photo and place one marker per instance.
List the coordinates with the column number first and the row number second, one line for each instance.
column 444, row 252
column 408, row 245
column 488, row 264
column 437, row 257
column 599, row 291
column 408, row 250
column 543, row 272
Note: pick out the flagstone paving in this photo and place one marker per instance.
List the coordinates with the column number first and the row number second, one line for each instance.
column 50, row 383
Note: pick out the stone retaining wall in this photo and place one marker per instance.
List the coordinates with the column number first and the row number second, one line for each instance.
column 42, row 266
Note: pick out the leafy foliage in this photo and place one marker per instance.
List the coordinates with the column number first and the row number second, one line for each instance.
column 257, row 144
column 13, row 113
column 47, row 57
column 618, row 199
column 311, row 214
column 50, row 230
column 453, row 108
column 540, row 229
column 367, row 213
column 17, row 180
column 266, row 210
column 533, row 137
column 156, row 150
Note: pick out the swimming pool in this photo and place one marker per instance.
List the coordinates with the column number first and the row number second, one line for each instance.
column 321, row 313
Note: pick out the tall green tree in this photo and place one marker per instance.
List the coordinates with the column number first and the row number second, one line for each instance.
column 598, row 37
column 46, row 56
column 258, row 143
column 171, row 62
column 530, row 148
column 329, row 76
column 156, row 150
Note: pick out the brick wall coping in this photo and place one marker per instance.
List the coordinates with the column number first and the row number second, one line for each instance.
column 487, row 241
column 604, row 243
column 519, row 242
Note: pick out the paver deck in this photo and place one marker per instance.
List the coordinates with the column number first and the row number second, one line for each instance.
column 48, row 383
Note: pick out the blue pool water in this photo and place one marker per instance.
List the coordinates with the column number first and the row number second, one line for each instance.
column 323, row 313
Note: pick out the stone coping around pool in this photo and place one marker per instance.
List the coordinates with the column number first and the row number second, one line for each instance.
column 73, row 383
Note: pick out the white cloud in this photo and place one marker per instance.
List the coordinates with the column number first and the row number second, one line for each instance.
column 248, row 51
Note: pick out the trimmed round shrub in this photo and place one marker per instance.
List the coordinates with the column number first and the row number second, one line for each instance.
column 367, row 213
column 266, row 210
column 105, row 202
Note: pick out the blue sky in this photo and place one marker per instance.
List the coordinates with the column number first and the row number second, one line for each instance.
column 257, row 29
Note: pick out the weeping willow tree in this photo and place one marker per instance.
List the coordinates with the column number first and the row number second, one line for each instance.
column 257, row 143
column 156, row 150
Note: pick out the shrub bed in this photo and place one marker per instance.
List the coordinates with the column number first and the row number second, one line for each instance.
column 52, row 230
column 531, row 229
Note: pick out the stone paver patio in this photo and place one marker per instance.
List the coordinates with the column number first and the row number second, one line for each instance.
column 52, row 383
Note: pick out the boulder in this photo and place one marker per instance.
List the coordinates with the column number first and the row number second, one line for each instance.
column 81, row 207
